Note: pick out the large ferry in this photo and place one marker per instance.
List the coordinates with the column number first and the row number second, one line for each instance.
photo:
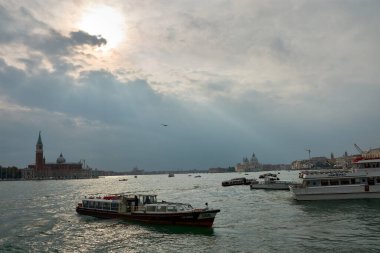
column 360, row 182
column 146, row 208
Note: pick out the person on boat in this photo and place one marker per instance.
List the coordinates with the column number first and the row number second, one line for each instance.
column 136, row 202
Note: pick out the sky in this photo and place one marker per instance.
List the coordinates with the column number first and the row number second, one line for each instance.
column 100, row 79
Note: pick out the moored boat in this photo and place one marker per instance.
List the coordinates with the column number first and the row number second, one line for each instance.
column 360, row 182
column 146, row 208
column 270, row 182
column 238, row 181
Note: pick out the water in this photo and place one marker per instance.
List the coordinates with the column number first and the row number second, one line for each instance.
column 39, row 216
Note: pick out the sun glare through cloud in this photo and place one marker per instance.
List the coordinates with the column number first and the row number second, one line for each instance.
column 105, row 21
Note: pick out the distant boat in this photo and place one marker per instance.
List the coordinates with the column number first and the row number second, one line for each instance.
column 268, row 175
column 123, row 179
column 171, row 175
column 198, row 176
column 270, row 182
column 238, row 181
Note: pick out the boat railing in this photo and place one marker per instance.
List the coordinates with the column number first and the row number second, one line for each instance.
column 322, row 172
column 296, row 185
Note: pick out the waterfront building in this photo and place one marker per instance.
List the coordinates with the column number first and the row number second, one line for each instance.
column 312, row 163
column 221, row 170
column 58, row 170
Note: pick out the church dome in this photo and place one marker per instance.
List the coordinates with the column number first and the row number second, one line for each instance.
column 61, row 159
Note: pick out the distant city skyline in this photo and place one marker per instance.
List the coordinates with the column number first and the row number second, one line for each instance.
column 195, row 85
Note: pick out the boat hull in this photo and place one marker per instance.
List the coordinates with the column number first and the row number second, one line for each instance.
column 334, row 193
column 274, row 186
column 204, row 218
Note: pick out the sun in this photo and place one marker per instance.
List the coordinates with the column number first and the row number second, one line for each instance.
column 105, row 21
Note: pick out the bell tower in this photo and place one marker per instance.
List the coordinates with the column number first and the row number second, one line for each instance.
column 39, row 154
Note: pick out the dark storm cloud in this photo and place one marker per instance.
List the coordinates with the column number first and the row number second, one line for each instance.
column 97, row 95
column 81, row 38
column 23, row 27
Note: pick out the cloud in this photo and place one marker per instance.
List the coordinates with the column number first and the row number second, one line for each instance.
column 83, row 38
column 250, row 76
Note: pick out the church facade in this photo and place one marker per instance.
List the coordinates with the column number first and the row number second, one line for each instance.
column 58, row 170
column 249, row 165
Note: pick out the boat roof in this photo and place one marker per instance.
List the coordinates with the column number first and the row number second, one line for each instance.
column 368, row 161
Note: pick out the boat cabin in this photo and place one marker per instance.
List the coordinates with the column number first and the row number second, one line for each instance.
column 365, row 164
column 341, row 181
column 101, row 204
column 139, row 203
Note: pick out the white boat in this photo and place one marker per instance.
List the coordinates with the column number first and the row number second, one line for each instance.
column 270, row 182
column 362, row 181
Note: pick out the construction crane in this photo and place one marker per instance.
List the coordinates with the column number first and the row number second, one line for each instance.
column 308, row 150
column 358, row 148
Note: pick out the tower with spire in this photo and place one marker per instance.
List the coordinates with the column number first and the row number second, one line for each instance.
column 39, row 155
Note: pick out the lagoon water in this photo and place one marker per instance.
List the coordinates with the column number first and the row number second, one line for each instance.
column 39, row 216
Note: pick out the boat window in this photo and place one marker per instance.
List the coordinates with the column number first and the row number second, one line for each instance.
column 324, row 182
column 91, row 204
column 151, row 208
column 353, row 181
column 98, row 205
column 114, row 206
column 315, row 183
column 172, row 209
column 371, row 181
column 357, row 181
column 334, row 182
column 378, row 180
column 161, row 209
column 106, row 205
column 147, row 200
column 345, row 181
column 85, row 203
column 363, row 180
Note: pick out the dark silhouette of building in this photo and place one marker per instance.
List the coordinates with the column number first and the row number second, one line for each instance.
column 59, row 170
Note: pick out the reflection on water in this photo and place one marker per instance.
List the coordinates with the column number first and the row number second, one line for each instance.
column 337, row 207
column 181, row 230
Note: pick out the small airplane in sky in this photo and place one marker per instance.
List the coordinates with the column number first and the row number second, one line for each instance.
column 165, row 125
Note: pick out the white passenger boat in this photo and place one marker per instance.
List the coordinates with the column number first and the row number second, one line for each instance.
column 270, row 182
column 360, row 182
